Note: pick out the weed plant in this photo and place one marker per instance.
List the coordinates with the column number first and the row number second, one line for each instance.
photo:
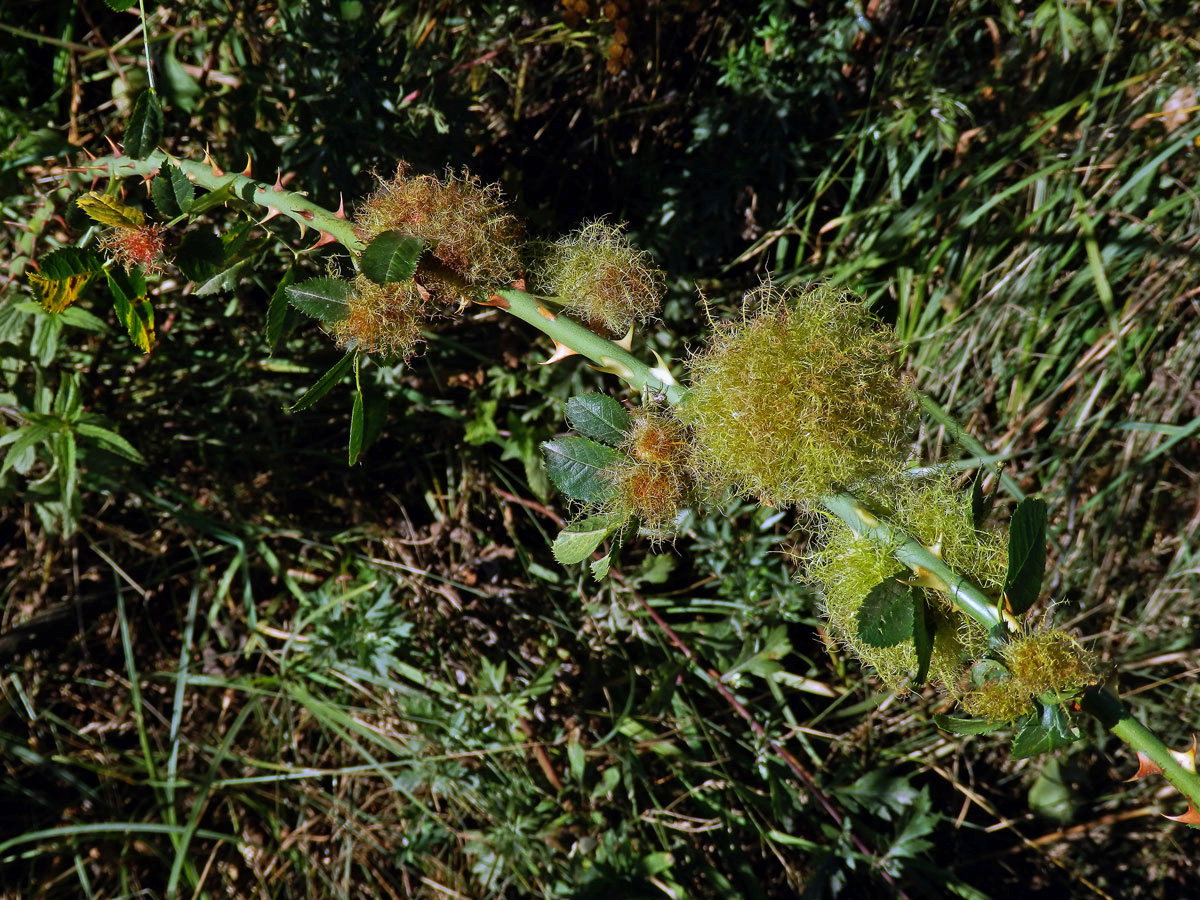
column 235, row 666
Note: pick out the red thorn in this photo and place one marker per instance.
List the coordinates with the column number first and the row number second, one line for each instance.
column 116, row 150
column 326, row 238
column 1191, row 817
column 341, row 210
column 303, row 228
column 211, row 163
column 518, row 285
column 1146, row 766
column 411, row 96
column 249, row 163
column 272, row 212
column 545, row 313
column 421, row 291
column 87, row 153
column 305, row 215
column 494, row 300
column 561, row 352
column 278, row 185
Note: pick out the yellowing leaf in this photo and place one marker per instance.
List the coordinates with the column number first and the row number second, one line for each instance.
column 56, row 294
column 110, row 211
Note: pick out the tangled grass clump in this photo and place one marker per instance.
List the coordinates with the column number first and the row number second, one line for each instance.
column 799, row 398
column 473, row 241
column 600, row 277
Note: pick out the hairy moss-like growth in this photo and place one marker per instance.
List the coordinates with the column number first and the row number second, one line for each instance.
column 472, row 238
column 1052, row 662
column 1000, row 700
column 848, row 566
column 652, row 480
column 800, row 397
column 382, row 318
column 139, row 246
column 601, row 278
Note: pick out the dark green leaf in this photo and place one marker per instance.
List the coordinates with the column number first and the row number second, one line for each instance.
column 579, row 540
column 962, row 725
column 121, row 5
column 1044, row 732
column 924, row 628
column 1026, row 554
column 225, row 280
column 886, row 615
column 322, row 298
column 323, row 386
column 354, row 447
column 199, row 256
column 67, row 261
column 133, row 309
column 392, row 256
column 599, row 417
column 277, row 310
column 81, row 318
column 171, row 191
column 44, row 343
column 110, row 441
column 981, row 505
column 145, row 125
column 574, row 465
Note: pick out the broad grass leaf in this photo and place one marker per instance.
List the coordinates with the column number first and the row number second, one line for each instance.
column 599, row 417
column 110, row 441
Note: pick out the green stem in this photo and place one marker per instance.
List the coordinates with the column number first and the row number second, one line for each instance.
column 1104, row 705
column 291, row 204
column 146, row 44
column 607, row 355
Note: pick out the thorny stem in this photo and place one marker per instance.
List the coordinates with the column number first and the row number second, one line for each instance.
column 610, row 356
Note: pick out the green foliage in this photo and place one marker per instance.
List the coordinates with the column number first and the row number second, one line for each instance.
column 391, row 257
column 576, row 466
column 1026, row 555
column 144, row 131
column 599, row 417
column 885, row 617
column 325, row 299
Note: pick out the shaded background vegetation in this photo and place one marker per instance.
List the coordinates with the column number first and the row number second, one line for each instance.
column 254, row 672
